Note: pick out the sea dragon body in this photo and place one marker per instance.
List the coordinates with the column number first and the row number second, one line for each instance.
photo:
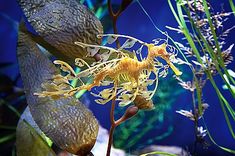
column 130, row 77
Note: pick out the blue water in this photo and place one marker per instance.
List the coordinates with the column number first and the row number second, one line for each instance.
column 134, row 22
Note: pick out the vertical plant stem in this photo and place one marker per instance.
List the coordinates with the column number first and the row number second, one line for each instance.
column 113, row 125
column 195, row 123
column 114, row 17
column 115, row 31
column 111, row 131
column 196, row 131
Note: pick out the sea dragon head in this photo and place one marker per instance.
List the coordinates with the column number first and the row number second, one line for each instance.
column 160, row 51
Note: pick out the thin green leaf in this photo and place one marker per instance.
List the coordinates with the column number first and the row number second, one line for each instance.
column 7, row 138
column 194, row 48
column 10, row 107
column 221, row 98
column 213, row 141
column 219, row 58
column 7, row 127
column 174, row 13
column 159, row 153
column 210, row 51
column 232, row 6
column 39, row 136
column 224, row 104
column 187, row 34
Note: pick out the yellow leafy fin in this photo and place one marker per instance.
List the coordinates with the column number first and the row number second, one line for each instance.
column 106, row 93
column 125, row 99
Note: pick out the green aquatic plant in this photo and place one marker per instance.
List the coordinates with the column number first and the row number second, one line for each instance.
column 158, row 153
column 205, row 42
column 232, row 73
column 8, row 93
column 232, row 6
column 204, row 33
column 127, row 87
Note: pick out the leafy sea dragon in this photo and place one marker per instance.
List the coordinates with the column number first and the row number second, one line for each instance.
column 129, row 76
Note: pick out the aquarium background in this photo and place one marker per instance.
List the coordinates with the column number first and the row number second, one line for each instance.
column 133, row 22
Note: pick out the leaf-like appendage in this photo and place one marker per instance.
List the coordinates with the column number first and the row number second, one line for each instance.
column 106, row 93
column 92, row 51
column 129, row 43
column 80, row 62
column 106, row 83
column 59, row 79
column 139, row 50
column 147, row 94
column 100, row 101
column 65, row 67
column 125, row 99
column 111, row 39
column 105, row 56
column 163, row 73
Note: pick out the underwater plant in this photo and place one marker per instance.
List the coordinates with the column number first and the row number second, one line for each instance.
column 58, row 30
column 103, row 69
column 10, row 95
column 232, row 73
column 207, row 57
column 59, row 120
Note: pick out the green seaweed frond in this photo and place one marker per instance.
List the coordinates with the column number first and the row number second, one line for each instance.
column 200, row 26
column 158, row 153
